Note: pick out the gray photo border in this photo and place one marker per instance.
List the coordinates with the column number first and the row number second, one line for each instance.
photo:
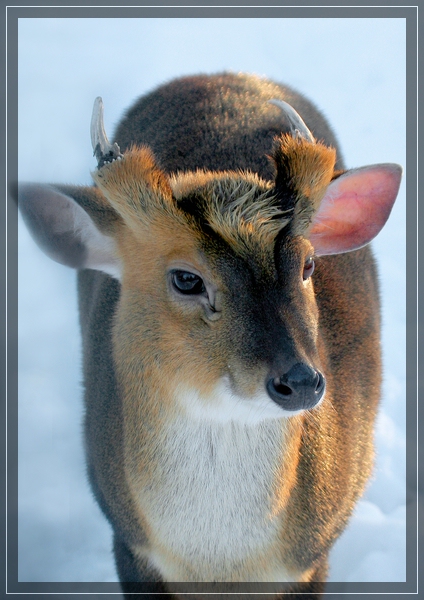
column 9, row 171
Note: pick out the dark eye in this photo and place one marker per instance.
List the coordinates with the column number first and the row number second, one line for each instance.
column 308, row 268
column 187, row 283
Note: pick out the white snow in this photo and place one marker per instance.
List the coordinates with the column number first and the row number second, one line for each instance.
column 354, row 70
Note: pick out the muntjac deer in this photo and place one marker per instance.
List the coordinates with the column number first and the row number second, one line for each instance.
column 230, row 321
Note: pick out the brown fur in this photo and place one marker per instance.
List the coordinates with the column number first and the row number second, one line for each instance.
column 321, row 436
column 242, row 208
column 197, row 191
column 309, row 168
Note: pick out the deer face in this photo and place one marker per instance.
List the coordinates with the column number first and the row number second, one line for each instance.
column 217, row 300
column 217, row 303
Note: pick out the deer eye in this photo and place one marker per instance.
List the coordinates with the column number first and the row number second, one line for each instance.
column 308, row 268
column 187, row 283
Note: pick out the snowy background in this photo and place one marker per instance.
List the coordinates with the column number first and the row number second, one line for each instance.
column 354, row 70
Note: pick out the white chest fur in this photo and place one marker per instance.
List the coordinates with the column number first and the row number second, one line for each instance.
column 212, row 508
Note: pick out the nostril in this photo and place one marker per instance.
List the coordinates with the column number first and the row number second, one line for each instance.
column 320, row 383
column 280, row 387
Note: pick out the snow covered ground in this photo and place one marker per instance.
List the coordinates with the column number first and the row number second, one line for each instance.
column 354, row 70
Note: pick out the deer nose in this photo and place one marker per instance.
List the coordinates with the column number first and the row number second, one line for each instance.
column 300, row 388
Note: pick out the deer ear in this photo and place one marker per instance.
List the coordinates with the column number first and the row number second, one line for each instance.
column 70, row 224
column 354, row 208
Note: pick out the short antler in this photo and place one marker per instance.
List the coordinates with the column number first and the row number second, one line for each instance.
column 103, row 150
column 297, row 124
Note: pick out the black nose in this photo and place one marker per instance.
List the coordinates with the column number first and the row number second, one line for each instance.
column 300, row 388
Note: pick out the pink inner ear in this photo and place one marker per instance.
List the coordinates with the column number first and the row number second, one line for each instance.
column 355, row 208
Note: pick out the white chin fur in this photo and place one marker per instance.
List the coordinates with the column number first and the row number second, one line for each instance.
column 223, row 405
